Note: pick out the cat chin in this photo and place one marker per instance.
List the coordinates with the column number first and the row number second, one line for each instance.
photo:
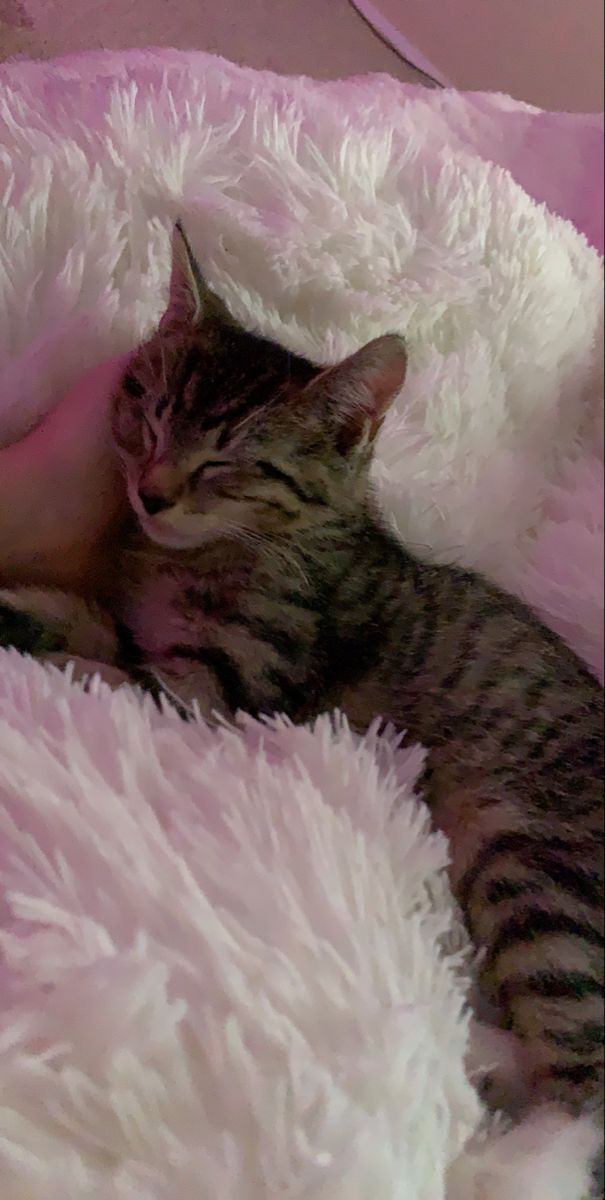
column 171, row 539
column 168, row 535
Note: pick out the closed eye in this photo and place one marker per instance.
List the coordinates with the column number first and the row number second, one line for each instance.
column 210, row 469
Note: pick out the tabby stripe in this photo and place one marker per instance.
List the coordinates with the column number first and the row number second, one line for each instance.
column 574, row 1073
column 549, row 856
column 574, row 881
column 414, row 575
column 453, row 599
column 583, row 1040
column 223, row 668
column 550, row 733
column 427, row 624
column 550, row 985
column 499, row 890
column 512, row 738
column 257, row 627
column 336, row 525
column 500, row 846
column 234, row 411
column 287, row 514
column 473, row 720
column 272, row 472
column 285, row 643
column 190, row 362
column 306, row 601
column 130, row 653
column 480, row 710
column 536, row 692
column 292, row 696
column 464, row 653
column 201, row 598
column 536, row 923
column 580, row 753
column 369, row 588
column 28, row 634
column 232, row 415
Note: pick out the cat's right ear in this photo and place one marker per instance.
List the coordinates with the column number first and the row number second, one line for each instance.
column 355, row 394
column 191, row 302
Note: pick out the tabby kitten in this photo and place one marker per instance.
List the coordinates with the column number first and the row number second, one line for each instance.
column 260, row 576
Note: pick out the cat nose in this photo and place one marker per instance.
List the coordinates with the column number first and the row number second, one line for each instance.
column 158, row 488
column 154, row 503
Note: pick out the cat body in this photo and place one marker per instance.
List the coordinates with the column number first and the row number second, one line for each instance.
column 512, row 720
column 257, row 574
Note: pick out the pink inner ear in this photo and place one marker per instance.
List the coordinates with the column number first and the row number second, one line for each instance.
column 388, row 381
column 372, row 378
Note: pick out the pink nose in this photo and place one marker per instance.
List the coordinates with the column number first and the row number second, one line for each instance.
column 158, row 488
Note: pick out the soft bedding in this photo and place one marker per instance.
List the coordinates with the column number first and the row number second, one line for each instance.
column 230, row 963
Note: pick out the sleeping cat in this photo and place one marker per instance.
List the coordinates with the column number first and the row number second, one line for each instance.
column 257, row 574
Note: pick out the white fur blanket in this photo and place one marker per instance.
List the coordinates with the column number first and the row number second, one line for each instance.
column 230, row 965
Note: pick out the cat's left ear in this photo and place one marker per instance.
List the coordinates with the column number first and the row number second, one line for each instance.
column 191, row 302
column 357, row 393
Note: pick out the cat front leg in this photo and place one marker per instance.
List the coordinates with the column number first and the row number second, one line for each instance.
column 47, row 621
column 191, row 688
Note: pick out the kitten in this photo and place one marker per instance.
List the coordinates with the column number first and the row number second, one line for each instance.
column 259, row 575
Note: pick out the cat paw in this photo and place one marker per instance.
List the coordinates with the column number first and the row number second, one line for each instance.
column 44, row 621
column 496, row 1063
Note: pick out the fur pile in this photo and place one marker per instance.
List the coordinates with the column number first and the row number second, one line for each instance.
column 230, row 964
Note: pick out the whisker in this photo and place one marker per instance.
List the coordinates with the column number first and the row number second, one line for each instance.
column 246, row 420
column 182, row 706
column 283, row 556
column 263, row 542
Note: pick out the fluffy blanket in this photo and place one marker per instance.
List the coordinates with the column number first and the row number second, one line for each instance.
column 230, row 963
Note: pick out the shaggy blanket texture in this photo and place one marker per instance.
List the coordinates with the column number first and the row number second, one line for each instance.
column 230, row 964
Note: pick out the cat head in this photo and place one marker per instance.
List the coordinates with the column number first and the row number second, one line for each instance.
column 223, row 433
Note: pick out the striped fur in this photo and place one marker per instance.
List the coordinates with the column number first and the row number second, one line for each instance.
column 259, row 576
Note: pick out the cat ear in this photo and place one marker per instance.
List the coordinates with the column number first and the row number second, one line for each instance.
column 358, row 392
column 191, row 302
